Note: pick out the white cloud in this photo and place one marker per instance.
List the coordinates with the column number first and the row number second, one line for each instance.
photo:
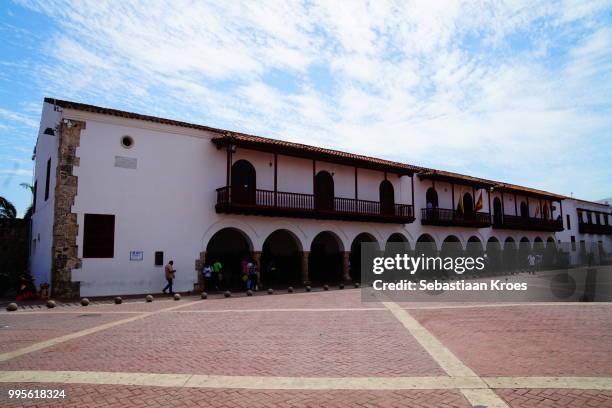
column 497, row 88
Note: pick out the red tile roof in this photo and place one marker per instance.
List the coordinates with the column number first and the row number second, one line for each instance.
column 298, row 149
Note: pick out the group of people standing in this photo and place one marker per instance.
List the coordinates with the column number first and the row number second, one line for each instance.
column 213, row 275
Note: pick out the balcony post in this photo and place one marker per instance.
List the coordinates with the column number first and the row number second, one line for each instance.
column 453, row 200
column 356, row 189
column 275, row 178
column 503, row 207
column 528, row 212
column 489, row 203
column 229, row 167
column 540, row 205
column 305, row 278
column 412, row 189
column 561, row 209
column 515, row 208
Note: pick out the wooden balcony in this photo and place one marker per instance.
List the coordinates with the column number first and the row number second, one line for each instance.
column 601, row 229
column 447, row 217
column 514, row 222
column 283, row 204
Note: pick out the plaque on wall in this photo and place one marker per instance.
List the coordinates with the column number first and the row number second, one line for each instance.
column 126, row 162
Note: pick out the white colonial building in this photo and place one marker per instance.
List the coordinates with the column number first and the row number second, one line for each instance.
column 118, row 194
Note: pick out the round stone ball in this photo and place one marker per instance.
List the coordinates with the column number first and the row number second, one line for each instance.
column 51, row 304
column 341, row 286
column 204, row 295
column 356, row 285
column 149, row 298
column 84, row 302
column 118, row 300
column 290, row 289
column 249, row 292
column 325, row 287
column 177, row 296
column 270, row 291
column 227, row 293
column 308, row 288
column 11, row 307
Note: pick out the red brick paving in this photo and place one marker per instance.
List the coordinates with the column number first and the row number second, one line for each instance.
column 335, row 344
column 554, row 398
column 19, row 330
column 109, row 396
column 527, row 340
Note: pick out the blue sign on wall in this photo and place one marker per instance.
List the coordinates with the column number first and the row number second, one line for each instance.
column 136, row 255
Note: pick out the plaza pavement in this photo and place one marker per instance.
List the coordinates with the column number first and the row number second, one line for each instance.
column 324, row 348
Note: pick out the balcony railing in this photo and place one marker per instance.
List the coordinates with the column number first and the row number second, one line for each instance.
column 515, row 222
column 602, row 229
column 448, row 217
column 267, row 202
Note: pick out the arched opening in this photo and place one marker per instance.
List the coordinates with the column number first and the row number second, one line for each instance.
column 325, row 259
column 538, row 251
column 451, row 248
column 431, row 198
column 523, row 252
column 425, row 246
column 468, row 206
column 494, row 256
column 399, row 242
column 497, row 211
column 524, row 210
column 324, row 191
column 355, row 255
column 550, row 253
column 387, row 198
column 510, row 256
column 243, row 182
column 281, row 260
column 230, row 247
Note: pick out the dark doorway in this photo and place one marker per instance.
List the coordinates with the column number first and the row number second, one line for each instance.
column 399, row 242
column 509, row 257
column 497, row 211
column 494, row 256
column 432, row 198
column 229, row 246
column 425, row 246
column 550, row 253
column 524, row 210
column 523, row 251
column 468, row 206
column 387, row 198
column 325, row 259
column 281, row 260
column 355, row 255
column 243, row 183
column 324, row 191
column 451, row 248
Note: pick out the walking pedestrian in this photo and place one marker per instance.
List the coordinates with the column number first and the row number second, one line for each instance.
column 169, row 271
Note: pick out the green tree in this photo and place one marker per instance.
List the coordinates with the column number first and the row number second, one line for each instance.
column 30, row 210
column 7, row 209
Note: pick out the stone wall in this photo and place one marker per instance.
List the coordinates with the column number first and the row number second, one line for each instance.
column 65, row 227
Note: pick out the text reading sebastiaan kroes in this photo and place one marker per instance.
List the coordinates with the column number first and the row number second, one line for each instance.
column 458, row 265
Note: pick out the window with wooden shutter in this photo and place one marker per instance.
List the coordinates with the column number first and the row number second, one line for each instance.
column 99, row 236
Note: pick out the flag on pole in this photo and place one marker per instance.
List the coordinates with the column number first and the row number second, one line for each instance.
column 479, row 202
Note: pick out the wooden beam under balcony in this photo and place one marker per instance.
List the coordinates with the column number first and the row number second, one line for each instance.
column 299, row 205
column 453, row 218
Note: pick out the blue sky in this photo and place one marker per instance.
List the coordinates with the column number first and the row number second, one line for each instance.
column 513, row 91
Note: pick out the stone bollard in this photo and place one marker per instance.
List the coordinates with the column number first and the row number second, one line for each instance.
column 290, row 289
column 51, row 304
column 84, row 302
column 118, row 300
column 249, row 292
column 341, row 286
column 204, row 295
column 149, row 298
column 11, row 307
column 177, row 296
column 356, row 285
column 325, row 287
column 227, row 293
column 270, row 291
column 308, row 288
